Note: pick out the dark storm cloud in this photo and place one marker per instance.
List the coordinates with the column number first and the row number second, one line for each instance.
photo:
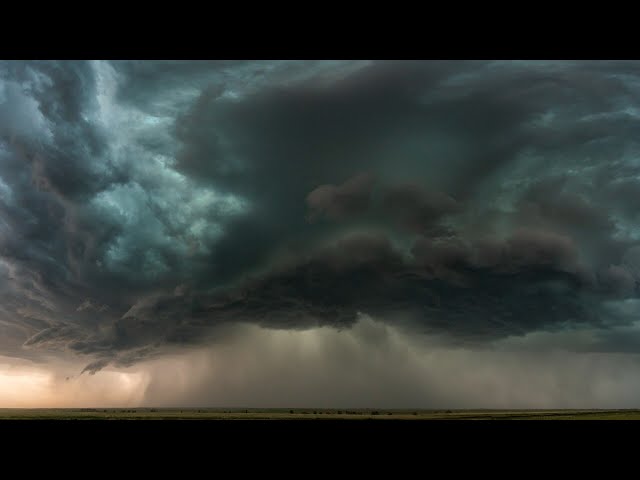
column 337, row 202
column 529, row 282
column 618, row 279
column 416, row 208
column 477, row 200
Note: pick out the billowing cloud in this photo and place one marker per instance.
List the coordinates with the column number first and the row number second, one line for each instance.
column 337, row 202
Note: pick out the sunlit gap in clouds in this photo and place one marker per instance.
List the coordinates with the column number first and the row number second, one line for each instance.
column 35, row 386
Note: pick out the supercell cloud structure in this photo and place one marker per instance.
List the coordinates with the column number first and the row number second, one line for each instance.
column 151, row 207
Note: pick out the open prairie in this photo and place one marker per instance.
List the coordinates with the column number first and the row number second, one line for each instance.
column 309, row 414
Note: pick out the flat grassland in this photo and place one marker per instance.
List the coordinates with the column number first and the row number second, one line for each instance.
column 307, row 414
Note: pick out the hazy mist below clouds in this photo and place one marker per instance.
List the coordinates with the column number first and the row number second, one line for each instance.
column 373, row 365
column 370, row 365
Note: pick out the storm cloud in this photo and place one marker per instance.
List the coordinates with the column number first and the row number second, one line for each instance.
column 148, row 207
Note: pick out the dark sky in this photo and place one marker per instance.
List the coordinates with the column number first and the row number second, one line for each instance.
column 152, row 209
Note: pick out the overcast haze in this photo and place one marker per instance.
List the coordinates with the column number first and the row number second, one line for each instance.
column 437, row 234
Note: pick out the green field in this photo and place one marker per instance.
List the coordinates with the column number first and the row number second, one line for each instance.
column 308, row 414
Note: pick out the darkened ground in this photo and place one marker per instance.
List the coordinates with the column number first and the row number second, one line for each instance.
column 309, row 414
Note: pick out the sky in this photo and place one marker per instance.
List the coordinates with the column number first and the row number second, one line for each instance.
column 391, row 234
